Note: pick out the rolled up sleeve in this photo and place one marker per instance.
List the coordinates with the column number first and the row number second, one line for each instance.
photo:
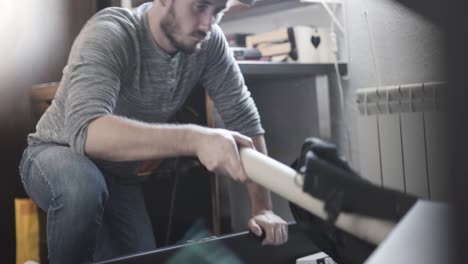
column 95, row 66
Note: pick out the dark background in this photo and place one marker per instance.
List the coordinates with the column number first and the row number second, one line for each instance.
column 35, row 43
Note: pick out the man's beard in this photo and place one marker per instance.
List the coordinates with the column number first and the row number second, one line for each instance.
column 171, row 27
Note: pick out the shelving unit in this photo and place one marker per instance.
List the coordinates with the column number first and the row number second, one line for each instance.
column 267, row 6
column 287, row 69
column 271, row 72
column 269, row 15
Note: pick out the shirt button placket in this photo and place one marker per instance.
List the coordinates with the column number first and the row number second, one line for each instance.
column 172, row 75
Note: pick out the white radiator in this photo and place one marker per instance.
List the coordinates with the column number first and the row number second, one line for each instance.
column 401, row 139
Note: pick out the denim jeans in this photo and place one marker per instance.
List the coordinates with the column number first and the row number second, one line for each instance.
column 90, row 216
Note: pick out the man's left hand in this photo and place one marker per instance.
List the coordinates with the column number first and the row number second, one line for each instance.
column 275, row 228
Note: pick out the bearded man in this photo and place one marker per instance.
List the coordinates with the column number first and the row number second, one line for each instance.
column 127, row 74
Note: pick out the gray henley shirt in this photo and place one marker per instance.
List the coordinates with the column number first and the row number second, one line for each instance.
column 116, row 67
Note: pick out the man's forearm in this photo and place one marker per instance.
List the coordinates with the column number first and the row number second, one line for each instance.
column 119, row 139
column 260, row 198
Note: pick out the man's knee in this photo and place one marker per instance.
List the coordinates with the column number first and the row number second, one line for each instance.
column 79, row 183
column 84, row 195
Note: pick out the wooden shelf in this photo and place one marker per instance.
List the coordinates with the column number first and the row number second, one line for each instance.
column 267, row 6
column 288, row 69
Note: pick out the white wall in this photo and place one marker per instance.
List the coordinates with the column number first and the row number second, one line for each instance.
column 408, row 49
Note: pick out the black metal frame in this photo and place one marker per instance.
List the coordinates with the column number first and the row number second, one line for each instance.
column 245, row 246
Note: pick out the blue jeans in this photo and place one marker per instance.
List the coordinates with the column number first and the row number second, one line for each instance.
column 90, row 216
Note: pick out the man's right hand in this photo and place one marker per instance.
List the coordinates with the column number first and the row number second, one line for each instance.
column 218, row 150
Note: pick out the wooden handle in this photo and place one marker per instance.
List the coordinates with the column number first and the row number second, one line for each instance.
column 287, row 183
